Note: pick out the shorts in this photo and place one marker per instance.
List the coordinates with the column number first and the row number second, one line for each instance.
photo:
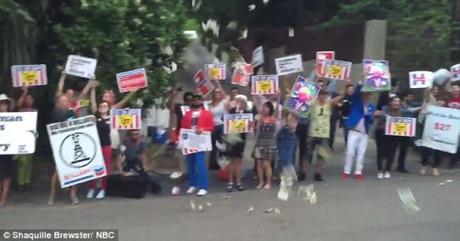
column 269, row 153
column 6, row 168
column 312, row 143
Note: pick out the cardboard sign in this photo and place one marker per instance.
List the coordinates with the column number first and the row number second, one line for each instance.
column 400, row 126
column 455, row 70
column 17, row 132
column 238, row 123
column 264, row 84
column 337, row 69
column 29, row 75
column 76, row 151
column 376, row 75
column 289, row 65
column 190, row 142
column 132, row 80
column 302, row 96
column 205, row 87
column 321, row 56
column 126, row 119
column 242, row 73
column 420, row 79
column 258, row 57
column 80, row 66
column 216, row 71
column 199, row 76
column 442, row 128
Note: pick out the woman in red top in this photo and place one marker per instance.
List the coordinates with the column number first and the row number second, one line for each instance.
column 198, row 119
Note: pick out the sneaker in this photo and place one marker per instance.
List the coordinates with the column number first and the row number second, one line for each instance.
column 318, row 177
column 202, row 192
column 51, row 201
column 229, row 187
column 101, row 194
column 380, row 175
column 387, row 175
column 423, row 171
column 90, row 193
column 359, row 177
column 191, row 190
column 267, row 187
column 75, row 200
column 240, row 187
column 345, row 176
column 175, row 191
column 435, row 172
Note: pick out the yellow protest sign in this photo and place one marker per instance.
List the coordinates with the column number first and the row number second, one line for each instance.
column 125, row 120
column 29, row 77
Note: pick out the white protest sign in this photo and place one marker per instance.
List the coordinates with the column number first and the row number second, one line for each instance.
column 76, row 151
column 80, row 66
column 420, row 79
column 17, row 132
column 289, row 65
column 258, row 57
column 442, row 129
column 190, row 142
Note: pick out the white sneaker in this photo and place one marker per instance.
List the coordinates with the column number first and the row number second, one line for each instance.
column 90, row 193
column 175, row 191
column 387, row 175
column 101, row 194
column 191, row 190
column 202, row 192
column 75, row 200
column 380, row 175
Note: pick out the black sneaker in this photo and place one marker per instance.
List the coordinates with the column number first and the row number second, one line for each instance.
column 301, row 176
column 229, row 187
column 240, row 187
column 318, row 177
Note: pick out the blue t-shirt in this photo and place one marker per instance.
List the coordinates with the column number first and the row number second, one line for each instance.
column 134, row 149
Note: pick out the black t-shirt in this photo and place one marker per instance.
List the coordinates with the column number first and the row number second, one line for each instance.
column 178, row 108
column 103, row 129
column 59, row 115
column 345, row 108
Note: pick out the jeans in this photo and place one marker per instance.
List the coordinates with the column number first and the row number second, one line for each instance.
column 197, row 171
column 286, row 143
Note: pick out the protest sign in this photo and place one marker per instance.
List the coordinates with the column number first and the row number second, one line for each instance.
column 205, row 87
column 190, row 142
column 303, row 94
column 80, row 66
column 199, row 76
column 455, row 70
column 216, row 71
column 258, row 57
column 17, row 132
column 400, row 126
column 132, row 80
column 321, row 56
column 125, row 119
column 337, row 69
column 420, row 79
column 29, row 75
column 264, row 84
column 442, row 128
column 376, row 75
column 238, row 123
column 289, row 65
column 76, row 151
column 242, row 73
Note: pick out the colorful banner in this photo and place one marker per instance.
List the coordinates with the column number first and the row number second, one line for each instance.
column 238, row 123
column 242, row 73
column 304, row 93
column 199, row 76
column 420, row 79
column 258, row 57
column 76, row 151
column 455, row 70
column 289, row 65
column 81, row 66
column 337, row 69
column 29, row 75
column 216, row 71
column 205, row 87
column 17, row 132
column 132, row 80
column 321, row 56
column 190, row 142
column 400, row 126
column 264, row 84
column 125, row 119
column 376, row 75
column 442, row 129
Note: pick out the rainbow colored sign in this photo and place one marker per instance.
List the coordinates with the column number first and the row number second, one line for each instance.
column 303, row 94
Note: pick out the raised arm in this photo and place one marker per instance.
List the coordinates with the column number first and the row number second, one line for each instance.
column 125, row 100
column 21, row 99
column 93, row 100
column 171, row 99
column 86, row 90
column 60, row 87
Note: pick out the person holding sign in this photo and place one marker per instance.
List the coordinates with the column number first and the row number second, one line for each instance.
column 6, row 161
column 75, row 101
column 198, row 119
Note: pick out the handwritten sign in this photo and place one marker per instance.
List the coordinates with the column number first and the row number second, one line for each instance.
column 29, row 75
column 132, row 80
column 17, row 132
column 264, row 84
column 442, row 128
column 400, row 126
column 337, row 69
column 81, row 66
column 420, row 79
column 216, row 71
column 125, row 119
column 242, row 73
column 258, row 57
column 238, row 123
column 376, row 75
column 289, row 65
column 302, row 96
column 321, row 56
